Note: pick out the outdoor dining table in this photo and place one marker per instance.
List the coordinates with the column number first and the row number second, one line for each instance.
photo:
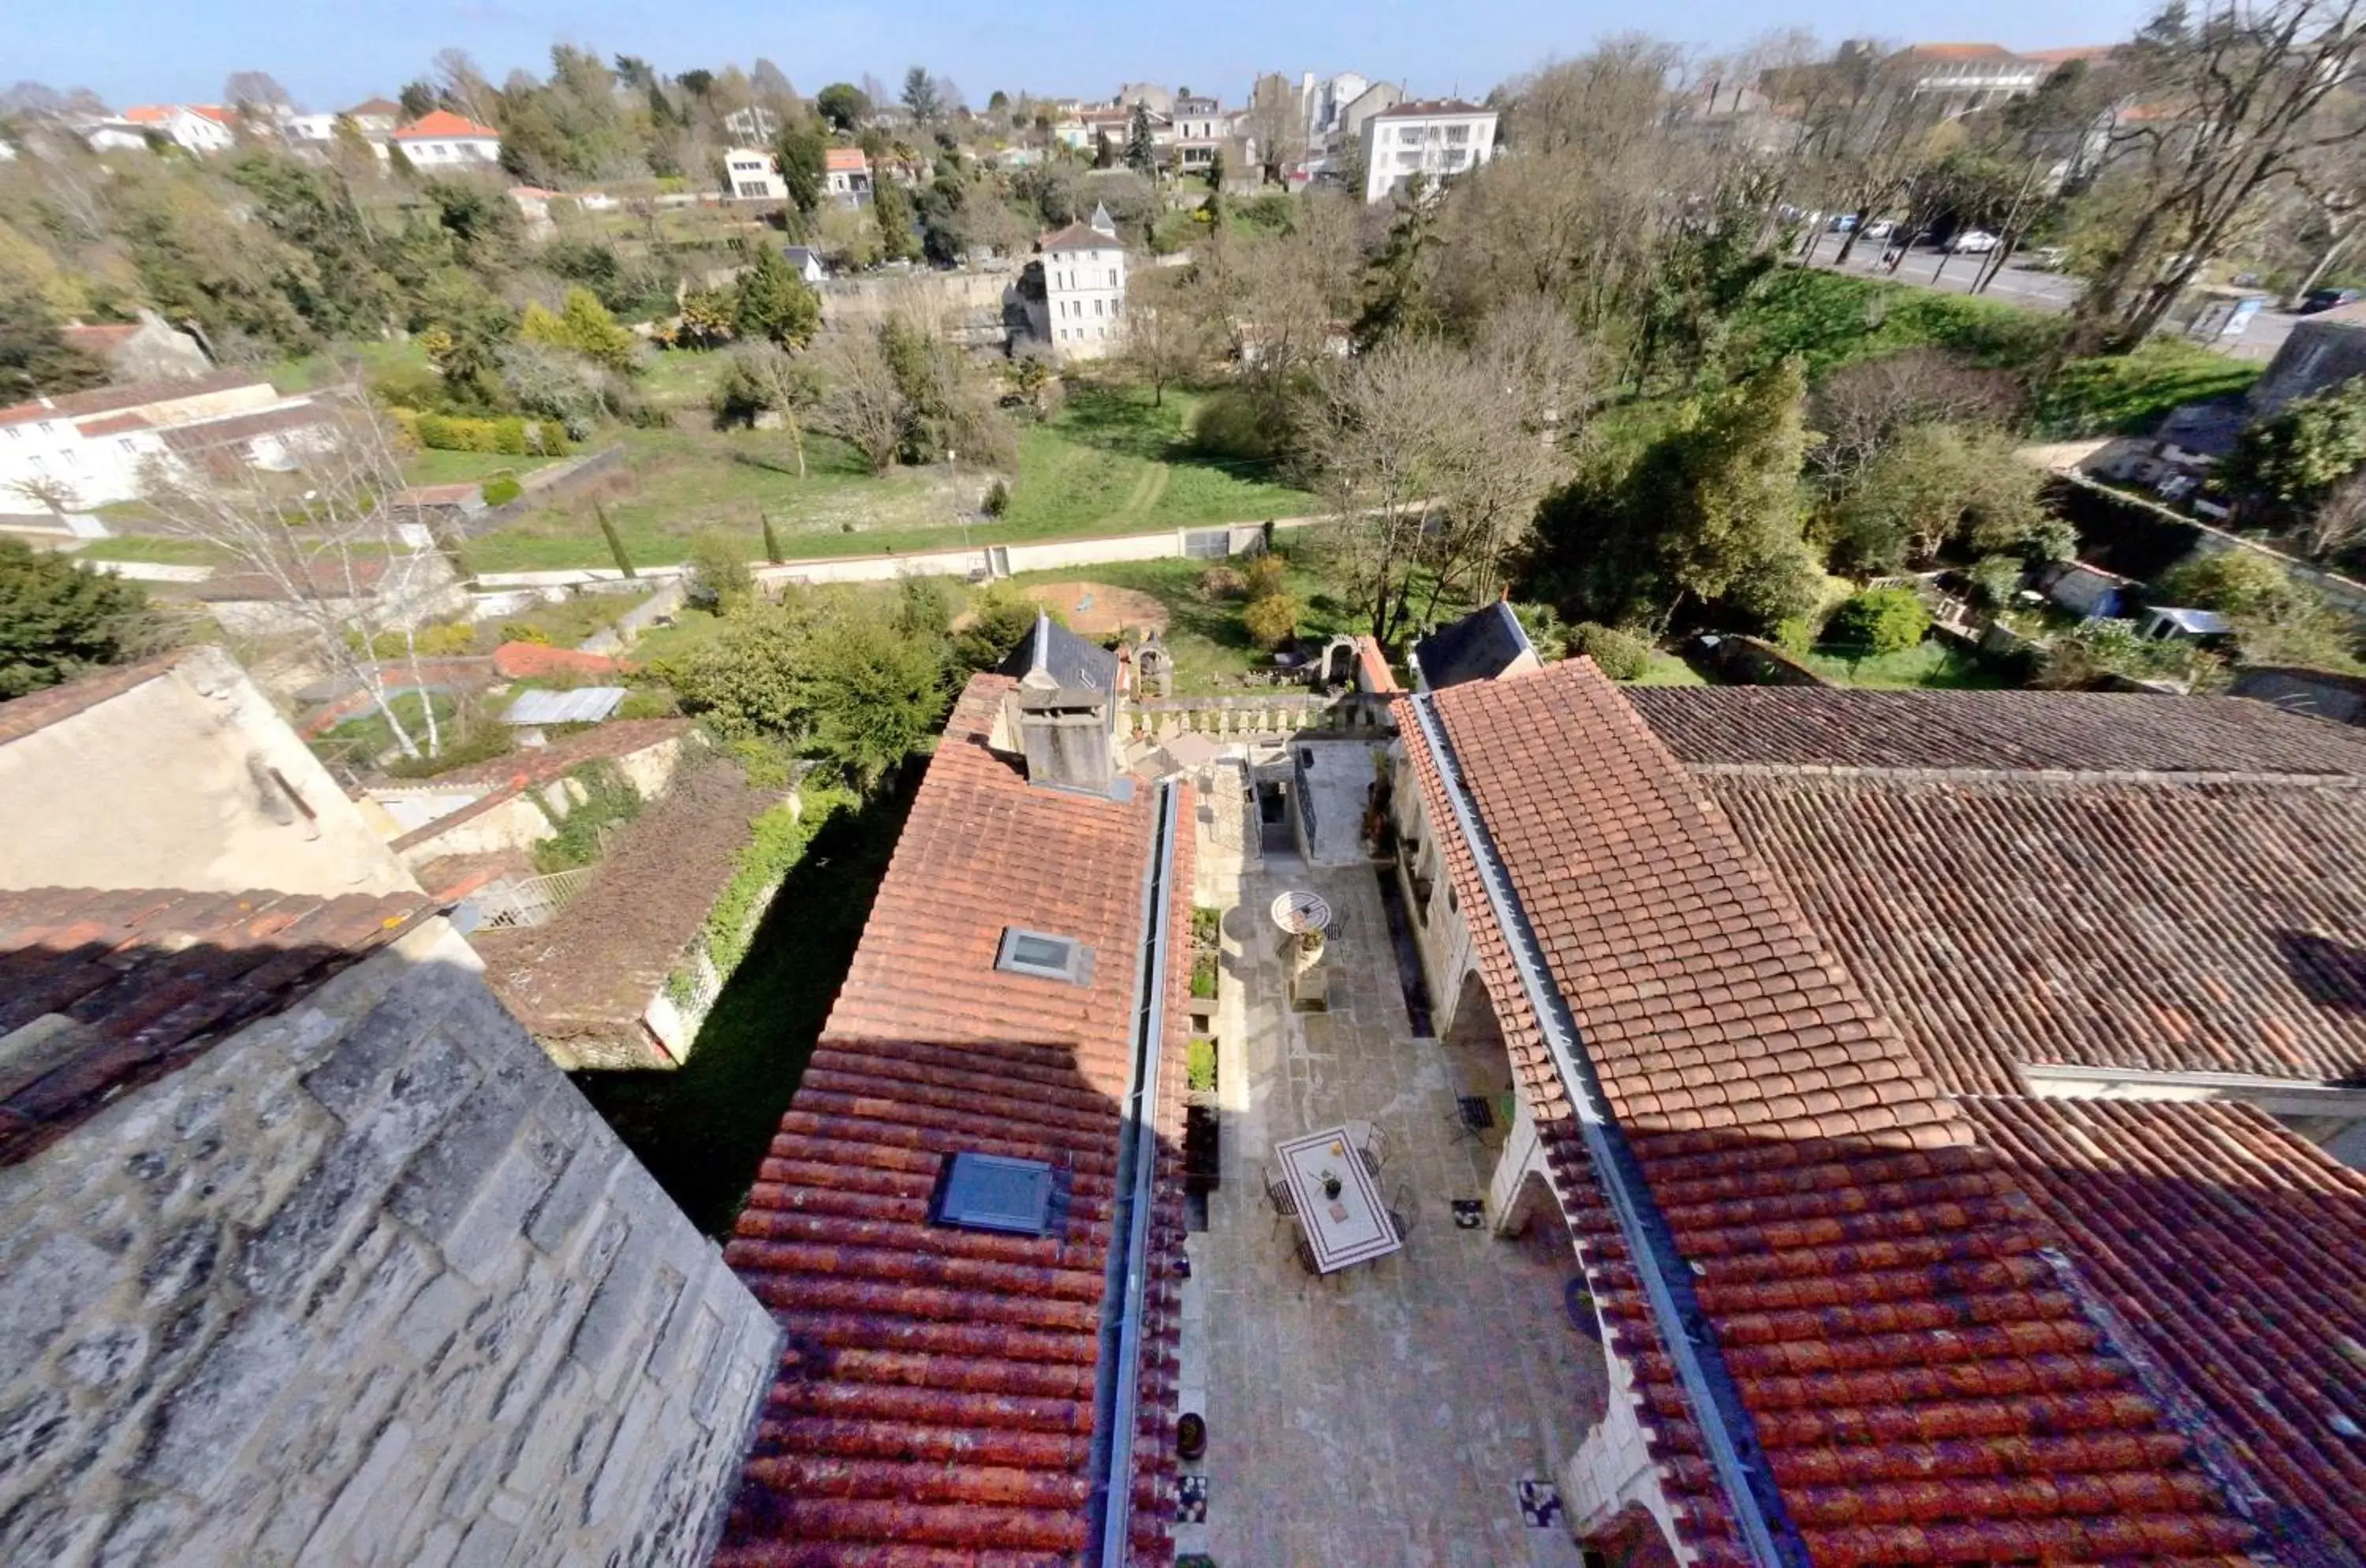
column 1351, row 1228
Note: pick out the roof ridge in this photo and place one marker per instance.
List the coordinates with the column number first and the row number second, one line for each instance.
column 2017, row 776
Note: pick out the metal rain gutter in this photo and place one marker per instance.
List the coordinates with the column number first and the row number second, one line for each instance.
column 1117, row 1389
column 1725, row 1426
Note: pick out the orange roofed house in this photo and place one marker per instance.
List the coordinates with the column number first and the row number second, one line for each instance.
column 970, row 1224
column 1907, row 1069
column 440, row 139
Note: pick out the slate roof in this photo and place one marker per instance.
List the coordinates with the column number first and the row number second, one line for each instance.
column 150, row 978
column 2237, row 1253
column 935, row 1404
column 1794, row 727
column 1076, row 662
column 1927, row 1386
column 1479, row 647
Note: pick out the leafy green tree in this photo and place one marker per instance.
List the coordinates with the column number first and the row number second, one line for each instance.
column 844, row 106
column 1141, row 150
column 1711, row 510
column 486, row 234
column 1879, row 620
column 35, row 358
column 2292, row 461
column 345, row 293
column 891, row 209
column 876, row 695
column 584, row 325
column 238, row 279
column 772, row 302
column 58, row 620
column 719, row 577
column 1272, row 621
column 998, row 621
column 2278, row 617
column 1622, row 656
column 417, row 100
column 801, row 152
column 1932, row 486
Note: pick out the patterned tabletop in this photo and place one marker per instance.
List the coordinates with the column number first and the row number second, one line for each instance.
column 1351, row 1228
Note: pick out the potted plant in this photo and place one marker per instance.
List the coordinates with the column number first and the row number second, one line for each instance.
column 1330, row 1183
column 1192, row 1435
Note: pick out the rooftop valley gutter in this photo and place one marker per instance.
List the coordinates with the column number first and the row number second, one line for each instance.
column 1726, row 1429
column 1117, row 1385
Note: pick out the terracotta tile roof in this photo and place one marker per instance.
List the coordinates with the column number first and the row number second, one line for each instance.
column 21, row 717
column 150, row 978
column 1079, row 237
column 215, row 434
column 140, row 394
column 2156, row 925
column 382, row 107
column 112, row 423
column 1958, row 51
column 1374, row 663
column 2237, row 1254
column 936, row 1398
column 845, row 159
column 1925, row 1385
column 2079, row 731
column 442, row 124
column 524, row 660
column 100, row 339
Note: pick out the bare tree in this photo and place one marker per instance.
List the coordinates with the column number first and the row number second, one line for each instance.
column 1276, row 121
column 1860, row 409
column 456, row 74
column 2339, row 520
column 255, row 92
column 323, row 534
column 860, row 404
column 1165, row 340
column 1863, row 127
column 2235, row 107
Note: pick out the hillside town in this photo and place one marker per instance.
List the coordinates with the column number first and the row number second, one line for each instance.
column 1613, row 820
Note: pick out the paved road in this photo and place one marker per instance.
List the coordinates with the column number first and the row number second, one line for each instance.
column 2020, row 284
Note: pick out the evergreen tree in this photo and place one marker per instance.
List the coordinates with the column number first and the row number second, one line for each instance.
column 773, row 301
column 844, row 104
column 1141, row 150
column 1104, row 155
column 58, row 620
column 1396, row 288
column 891, row 208
column 921, row 96
column 802, row 153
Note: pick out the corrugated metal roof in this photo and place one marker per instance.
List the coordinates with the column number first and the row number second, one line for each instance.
column 585, row 705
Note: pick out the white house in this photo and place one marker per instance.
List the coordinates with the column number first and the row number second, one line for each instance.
column 805, row 261
column 754, row 123
column 91, row 446
column 1202, row 127
column 1084, row 288
column 1437, row 137
column 846, row 173
column 748, row 175
column 197, row 127
column 442, row 140
column 376, row 117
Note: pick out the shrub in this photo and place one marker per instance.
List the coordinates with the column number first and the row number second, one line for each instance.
column 1995, row 579
column 1879, row 620
column 1222, row 582
column 525, row 631
column 609, row 799
column 1203, row 976
column 719, row 577
column 999, row 618
column 1231, row 425
column 501, row 488
column 1796, row 634
column 1199, row 1064
column 1546, row 633
column 998, row 500
column 1266, row 576
column 444, row 641
column 1272, row 621
column 511, row 435
column 1622, row 656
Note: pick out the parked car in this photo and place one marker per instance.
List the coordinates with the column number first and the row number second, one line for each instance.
column 1881, row 231
column 1973, row 243
column 1842, row 223
column 2317, row 300
column 2047, row 258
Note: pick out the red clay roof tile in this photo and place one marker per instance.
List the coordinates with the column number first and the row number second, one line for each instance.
column 935, row 1401
column 1856, row 1256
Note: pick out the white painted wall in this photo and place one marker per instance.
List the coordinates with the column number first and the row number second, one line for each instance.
column 1397, row 146
column 1084, row 294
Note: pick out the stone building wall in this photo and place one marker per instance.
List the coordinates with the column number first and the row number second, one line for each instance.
column 368, row 1283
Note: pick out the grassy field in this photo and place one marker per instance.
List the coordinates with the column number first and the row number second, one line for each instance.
column 1667, row 670
column 161, row 549
column 702, row 1130
column 1930, row 664
column 692, row 630
column 312, row 371
column 433, row 467
column 1107, row 462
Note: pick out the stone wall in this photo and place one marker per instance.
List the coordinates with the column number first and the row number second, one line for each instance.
column 368, row 1283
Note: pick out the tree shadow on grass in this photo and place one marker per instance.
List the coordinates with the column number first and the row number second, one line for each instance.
column 1121, row 419
column 703, row 1129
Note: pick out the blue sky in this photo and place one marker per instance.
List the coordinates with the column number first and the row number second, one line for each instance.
column 331, row 52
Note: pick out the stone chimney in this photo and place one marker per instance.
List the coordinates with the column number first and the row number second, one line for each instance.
column 1063, row 714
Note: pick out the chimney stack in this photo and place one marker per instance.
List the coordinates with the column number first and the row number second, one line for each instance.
column 1065, row 712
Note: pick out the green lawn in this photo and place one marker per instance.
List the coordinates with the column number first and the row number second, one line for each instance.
column 428, row 467
column 1667, row 670
column 163, row 549
column 702, row 1130
column 1107, row 462
column 692, row 630
column 681, row 378
column 1930, row 664
column 310, row 372
column 2125, row 393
